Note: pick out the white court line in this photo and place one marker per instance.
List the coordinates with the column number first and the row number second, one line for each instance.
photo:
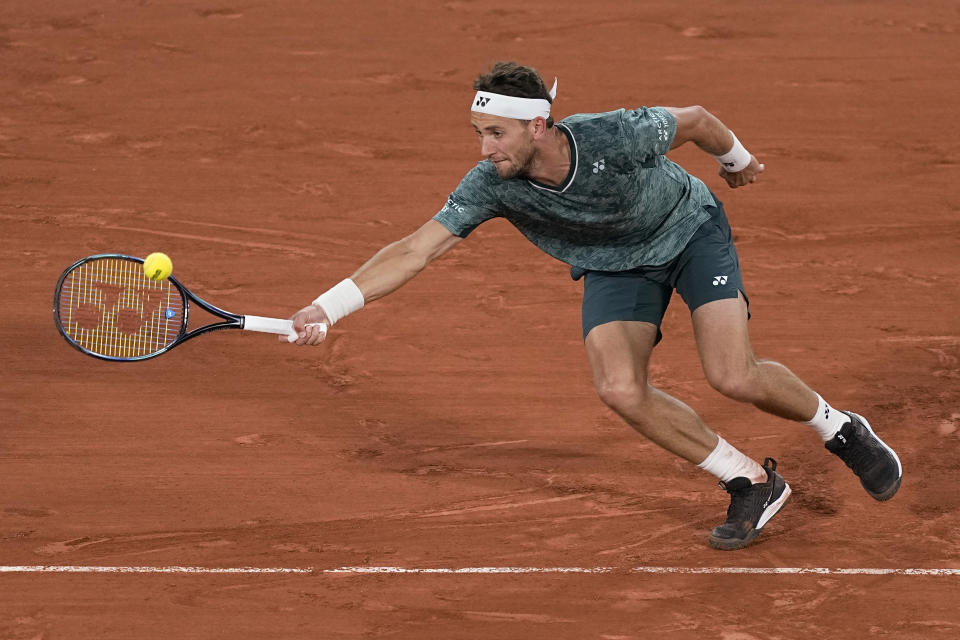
column 482, row 570
column 92, row 569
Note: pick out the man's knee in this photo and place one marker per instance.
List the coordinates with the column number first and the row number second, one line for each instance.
column 623, row 395
column 619, row 353
column 735, row 382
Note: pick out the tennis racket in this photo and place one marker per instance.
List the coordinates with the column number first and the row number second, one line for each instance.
column 106, row 307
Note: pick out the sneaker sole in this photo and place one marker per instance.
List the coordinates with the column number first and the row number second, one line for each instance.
column 892, row 490
column 730, row 544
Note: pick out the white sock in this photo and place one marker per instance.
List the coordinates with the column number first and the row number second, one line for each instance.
column 727, row 463
column 827, row 421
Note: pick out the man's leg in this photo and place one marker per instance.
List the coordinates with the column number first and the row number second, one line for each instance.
column 732, row 369
column 619, row 354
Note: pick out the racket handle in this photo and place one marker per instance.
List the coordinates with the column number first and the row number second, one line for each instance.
column 276, row 325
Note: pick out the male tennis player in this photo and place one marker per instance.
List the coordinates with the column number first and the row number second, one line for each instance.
column 597, row 192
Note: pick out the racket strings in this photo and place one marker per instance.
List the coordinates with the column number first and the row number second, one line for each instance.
column 109, row 307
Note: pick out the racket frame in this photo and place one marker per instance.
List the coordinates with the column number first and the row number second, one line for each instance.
column 230, row 320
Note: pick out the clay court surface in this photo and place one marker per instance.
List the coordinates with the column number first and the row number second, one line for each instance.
column 271, row 148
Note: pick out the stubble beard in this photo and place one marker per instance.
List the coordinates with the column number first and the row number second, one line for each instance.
column 520, row 168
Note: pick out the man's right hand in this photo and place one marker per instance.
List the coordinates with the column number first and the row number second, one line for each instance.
column 309, row 324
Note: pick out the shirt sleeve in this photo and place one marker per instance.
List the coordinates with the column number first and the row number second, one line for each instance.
column 649, row 131
column 470, row 205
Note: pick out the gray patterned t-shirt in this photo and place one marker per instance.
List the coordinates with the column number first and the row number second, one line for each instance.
column 622, row 205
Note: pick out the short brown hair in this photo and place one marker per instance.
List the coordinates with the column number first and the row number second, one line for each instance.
column 512, row 79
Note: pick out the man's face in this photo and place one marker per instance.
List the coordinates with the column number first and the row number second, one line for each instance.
column 506, row 142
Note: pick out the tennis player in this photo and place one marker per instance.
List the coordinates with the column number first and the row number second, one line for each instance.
column 598, row 192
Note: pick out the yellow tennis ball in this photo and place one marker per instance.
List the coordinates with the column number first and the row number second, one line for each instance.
column 158, row 266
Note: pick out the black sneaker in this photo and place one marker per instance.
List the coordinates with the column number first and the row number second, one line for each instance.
column 876, row 464
column 751, row 506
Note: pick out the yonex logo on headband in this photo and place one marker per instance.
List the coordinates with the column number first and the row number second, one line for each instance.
column 513, row 107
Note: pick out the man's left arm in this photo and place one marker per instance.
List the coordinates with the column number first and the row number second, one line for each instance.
column 695, row 124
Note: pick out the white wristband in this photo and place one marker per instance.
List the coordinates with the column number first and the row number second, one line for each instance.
column 340, row 301
column 737, row 159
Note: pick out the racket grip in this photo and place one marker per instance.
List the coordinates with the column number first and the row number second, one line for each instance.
column 275, row 325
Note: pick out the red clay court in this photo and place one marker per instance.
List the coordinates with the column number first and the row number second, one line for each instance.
column 271, row 148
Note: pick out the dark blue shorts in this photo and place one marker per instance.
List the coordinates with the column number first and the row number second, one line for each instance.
column 706, row 270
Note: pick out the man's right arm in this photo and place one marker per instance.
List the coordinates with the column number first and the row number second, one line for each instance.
column 388, row 270
column 397, row 263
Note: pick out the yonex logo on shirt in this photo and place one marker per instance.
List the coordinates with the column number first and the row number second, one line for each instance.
column 598, row 166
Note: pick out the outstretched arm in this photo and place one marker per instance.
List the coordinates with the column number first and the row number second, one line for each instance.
column 388, row 270
column 397, row 263
column 697, row 125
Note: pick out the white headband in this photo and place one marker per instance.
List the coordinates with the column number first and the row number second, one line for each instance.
column 497, row 104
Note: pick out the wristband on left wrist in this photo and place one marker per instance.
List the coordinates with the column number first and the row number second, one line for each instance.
column 735, row 160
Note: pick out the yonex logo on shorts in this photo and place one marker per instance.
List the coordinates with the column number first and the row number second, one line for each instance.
column 482, row 101
column 717, row 280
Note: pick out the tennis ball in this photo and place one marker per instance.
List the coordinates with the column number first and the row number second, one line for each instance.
column 158, row 266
